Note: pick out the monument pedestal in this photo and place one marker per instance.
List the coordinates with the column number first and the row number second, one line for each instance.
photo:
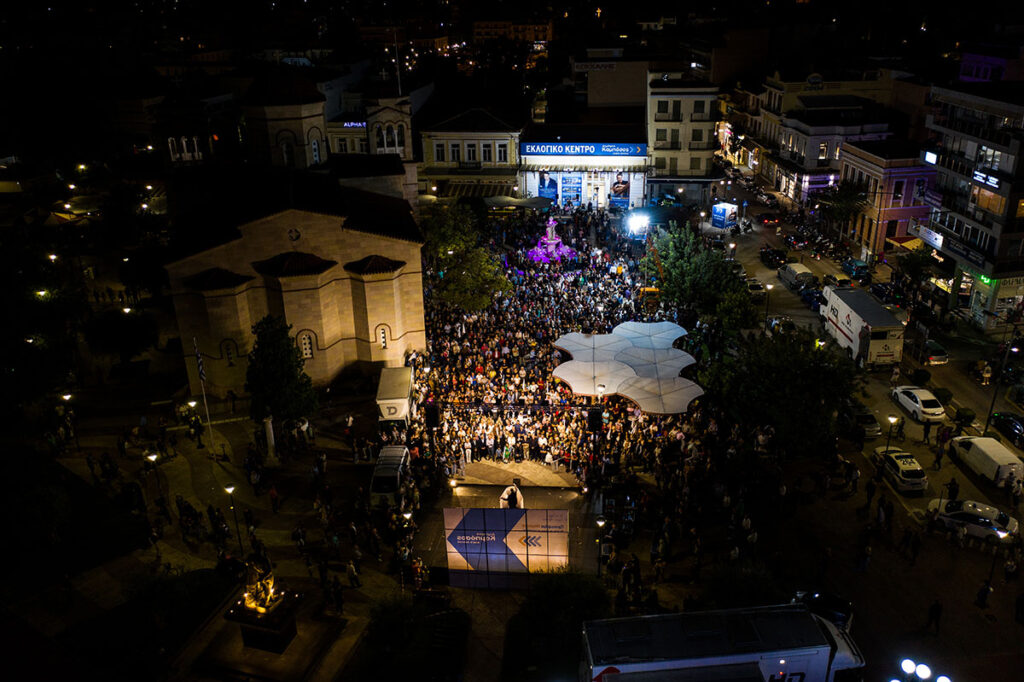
column 271, row 631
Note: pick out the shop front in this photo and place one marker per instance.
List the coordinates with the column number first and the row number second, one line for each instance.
column 598, row 174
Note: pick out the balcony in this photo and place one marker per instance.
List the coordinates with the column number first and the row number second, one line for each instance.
column 668, row 144
column 706, row 117
column 956, row 163
column 980, row 131
column 470, row 165
column 675, row 117
column 704, row 146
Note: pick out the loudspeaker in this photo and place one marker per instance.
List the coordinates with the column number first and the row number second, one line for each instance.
column 431, row 416
column 594, row 420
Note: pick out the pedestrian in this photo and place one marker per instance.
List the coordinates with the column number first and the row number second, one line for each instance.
column 353, row 574
column 854, row 477
column 986, row 374
column 953, row 489
column 894, row 378
column 939, row 452
column 934, row 616
column 927, row 430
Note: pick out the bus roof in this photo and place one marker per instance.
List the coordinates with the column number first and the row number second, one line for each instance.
column 702, row 634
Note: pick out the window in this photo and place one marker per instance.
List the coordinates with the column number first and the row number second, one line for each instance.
column 306, row 345
column 698, row 106
column 470, row 151
column 364, row 147
column 659, row 162
column 286, row 153
column 439, row 151
column 316, row 151
column 918, row 189
column 897, row 193
column 660, row 134
column 823, row 150
column 487, row 152
column 662, row 106
column 1020, row 208
column 989, row 201
column 502, row 152
column 389, row 137
column 695, row 162
column 890, row 228
column 383, row 337
column 838, row 147
column 456, row 152
column 341, row 144
column 697, row 135
column 401, row 135
column 379, row 133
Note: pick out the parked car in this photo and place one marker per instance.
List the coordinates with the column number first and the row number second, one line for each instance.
column 780, row 324
column 854, row 267
column 919, row 402
column 1011, row 425
column 887, row 293
column 857, row 414
column 768, row 219
column 837, row 281
column 813, row 298
column 980, row 520
column 900, row 468
column 927, row 352
column 756, row 289
column 738, row 269
column 795, row 241
column 773, row 258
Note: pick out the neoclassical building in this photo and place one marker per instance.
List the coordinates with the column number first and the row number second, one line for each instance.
column 348, row 279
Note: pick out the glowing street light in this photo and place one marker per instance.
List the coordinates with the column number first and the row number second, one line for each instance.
column 126, row 310
column 923, row 671
column 230, row 489
column 66, row 397
column 71, row 186
column 908, row 666
column 67, row 207
column 42, row 293
column 152, row 457
column 192, row 403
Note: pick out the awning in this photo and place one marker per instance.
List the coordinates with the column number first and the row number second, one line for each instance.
column 473, row 188
column 638, row 166
column 908, row 242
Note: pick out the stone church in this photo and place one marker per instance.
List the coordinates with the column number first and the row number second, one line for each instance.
column 346, row 274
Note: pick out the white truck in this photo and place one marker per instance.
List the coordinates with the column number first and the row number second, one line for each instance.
column 763, row 644
column 395, row 399
column 871, row 335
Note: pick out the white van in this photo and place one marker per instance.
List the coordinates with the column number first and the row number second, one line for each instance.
column 988, row 458
column 795, row 275
column 388, row 474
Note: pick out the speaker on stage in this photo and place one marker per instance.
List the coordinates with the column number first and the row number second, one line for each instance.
column 594, row 420
column 431, row 416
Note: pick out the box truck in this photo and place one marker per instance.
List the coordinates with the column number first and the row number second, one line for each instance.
column 860, row 324
column 395, row 398
column 988, row 458
column 764, row 644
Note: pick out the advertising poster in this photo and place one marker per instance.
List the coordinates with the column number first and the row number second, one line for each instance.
column 723, row 215
column 572, row 188
column 620, row 191
column 547, row 186
column 496, row 542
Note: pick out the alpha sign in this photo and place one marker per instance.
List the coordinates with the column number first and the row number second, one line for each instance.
column 581, row 149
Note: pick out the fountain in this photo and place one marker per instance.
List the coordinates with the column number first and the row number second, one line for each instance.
column 550, row 247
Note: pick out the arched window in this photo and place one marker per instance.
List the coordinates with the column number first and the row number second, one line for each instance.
column 380, row 137
column 172, row 147
column 389, row 137
column 306, row 345
column 195, row 148
column 383, row 337
column 315, row 144
column 286, row 153
column 184, row 146
column 401, row 135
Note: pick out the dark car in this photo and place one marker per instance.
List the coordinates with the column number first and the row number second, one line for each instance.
column 887, row 293
column 1011, row 425
column 831, row 607
column 795, row 241
column 768, row 219
column 773, row 258
column 857, row 414
column 813, row 298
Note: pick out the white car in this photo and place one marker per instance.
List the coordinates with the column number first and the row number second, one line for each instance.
column 980, row 520
column 920, row 403
column 901, row 469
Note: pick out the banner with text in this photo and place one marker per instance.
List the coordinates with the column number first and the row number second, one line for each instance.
column 581, row 149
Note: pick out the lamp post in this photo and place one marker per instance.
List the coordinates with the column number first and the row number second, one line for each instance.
column 732, row 250
column 702, row 214
column 995, row 385
column 600, row 526
column 767, row 300
column 892, row 422
column 230, row 490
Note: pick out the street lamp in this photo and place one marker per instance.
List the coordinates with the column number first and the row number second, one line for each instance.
column 126, row 310
column 600, row 524
column 66, row 397
column 230, row 489
column 892, row 422
column 995, row 385
column 767, row 300
column 732, row 250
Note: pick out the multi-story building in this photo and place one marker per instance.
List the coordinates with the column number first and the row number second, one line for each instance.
column 895, row 181
column 809, row 140
column 472, row 154
column 681, row 139
column 735, row 132
column 518, row 31
column 977, row 221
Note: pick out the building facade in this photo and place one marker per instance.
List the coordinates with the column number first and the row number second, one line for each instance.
column 977, row 219
column 681, row 137
column 351, row 287
column 896, row 182
column 472, row 154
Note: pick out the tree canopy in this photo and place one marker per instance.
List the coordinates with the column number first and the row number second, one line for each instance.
column 843, row 203
column 275, row 379
column 463, row 273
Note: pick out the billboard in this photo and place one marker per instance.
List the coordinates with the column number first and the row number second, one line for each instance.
column 723, row 215
column 486, row 545
column 581, row 149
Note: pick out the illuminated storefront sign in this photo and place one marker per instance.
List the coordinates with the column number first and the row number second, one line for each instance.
column 354, row 124
column 931, row 157
column 990, row 180
column 581, row 149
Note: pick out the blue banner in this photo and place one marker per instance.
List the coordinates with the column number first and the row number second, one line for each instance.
column 506, row 540
column 581, row 149
column 723, row 215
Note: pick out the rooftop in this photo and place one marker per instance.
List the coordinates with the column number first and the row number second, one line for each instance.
column 293, row 264
column 1005, row 92
column 374, row 265
column 475, row 120
column 890, row 149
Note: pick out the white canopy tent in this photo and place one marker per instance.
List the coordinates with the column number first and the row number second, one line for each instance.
column 636, row 361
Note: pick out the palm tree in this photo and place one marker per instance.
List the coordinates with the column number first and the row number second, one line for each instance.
column 843, row 203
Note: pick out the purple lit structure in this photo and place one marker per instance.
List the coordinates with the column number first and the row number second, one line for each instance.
column 550, row 247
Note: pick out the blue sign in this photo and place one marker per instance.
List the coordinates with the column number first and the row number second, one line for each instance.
column 506, row 540
column 723, row 215
column 581, row 149
column 745, row 203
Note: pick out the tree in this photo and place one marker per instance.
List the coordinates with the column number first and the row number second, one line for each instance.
column 464, row 274
column 916, row 267
column 274, row 379
column 694, row 275
column 791, row 381
column 843, row 203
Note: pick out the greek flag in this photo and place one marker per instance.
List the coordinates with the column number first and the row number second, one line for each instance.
column 199, row 360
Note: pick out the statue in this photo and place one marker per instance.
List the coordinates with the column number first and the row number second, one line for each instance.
column 550, row 247
column 551, row 229
column 259, row 585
